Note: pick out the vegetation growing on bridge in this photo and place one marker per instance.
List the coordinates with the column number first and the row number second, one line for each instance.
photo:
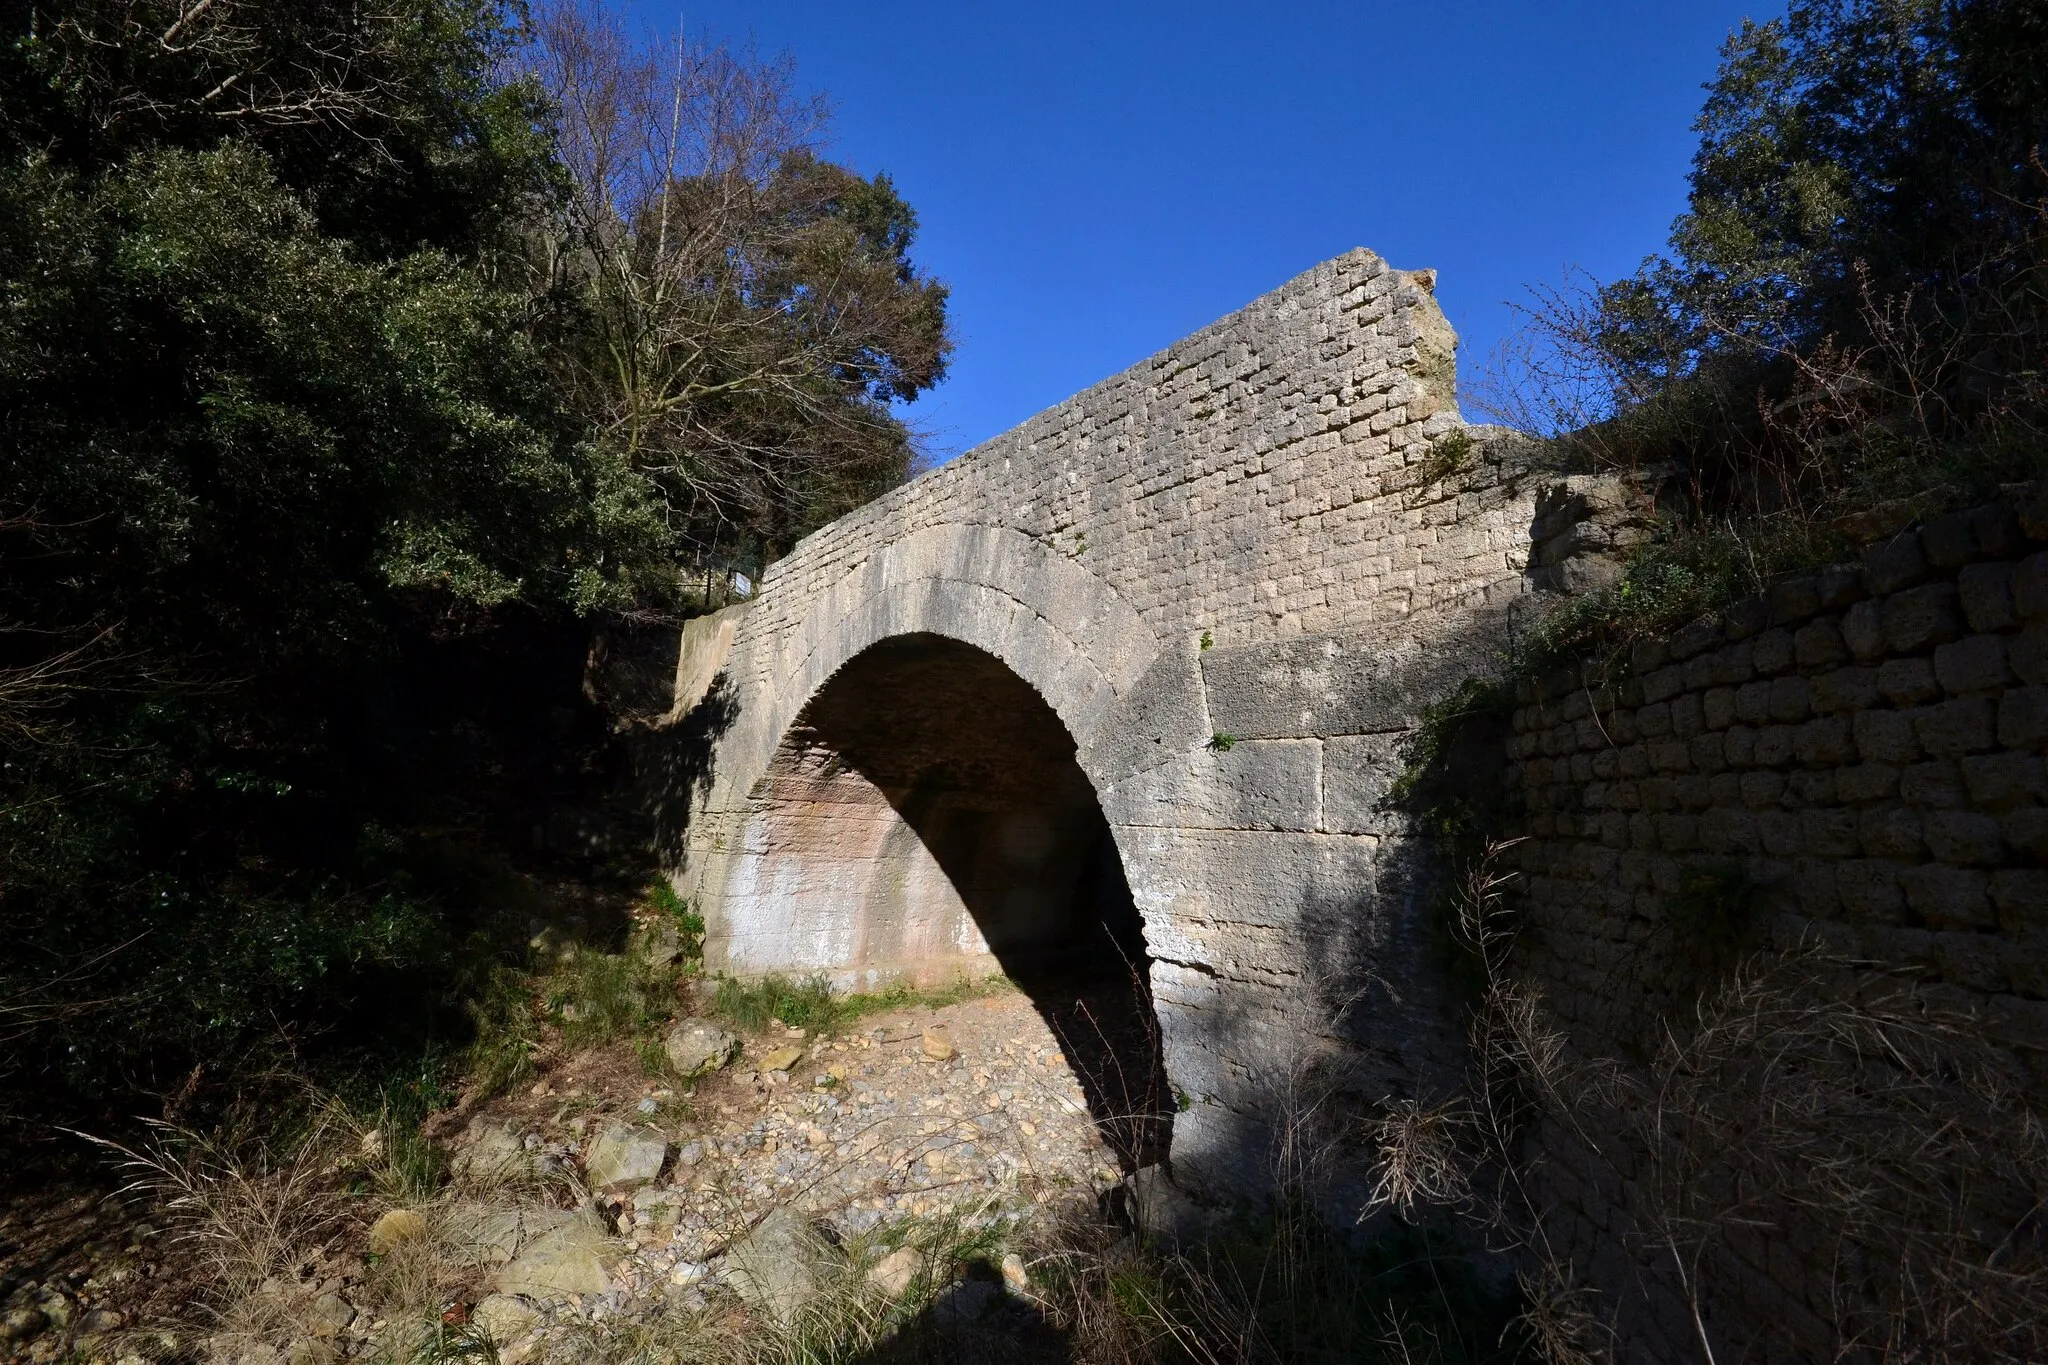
column 1844, row 339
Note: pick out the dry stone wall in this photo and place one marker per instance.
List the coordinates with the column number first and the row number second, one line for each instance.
column 1258, row 535
column 1851, row 764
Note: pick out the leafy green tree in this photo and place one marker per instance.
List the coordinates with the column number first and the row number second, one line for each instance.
column 1850, row 150
column 750, row 309
column 265, row 411
column 336, row 400
column 1849, row 314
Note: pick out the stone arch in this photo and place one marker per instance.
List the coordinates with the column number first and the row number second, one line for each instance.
column 1056, row 625
column 911, row 802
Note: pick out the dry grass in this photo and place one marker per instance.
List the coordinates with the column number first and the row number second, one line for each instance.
column 272, row 1219
column 253, row 1212
column 1856, row 1116
column 1816, row 1104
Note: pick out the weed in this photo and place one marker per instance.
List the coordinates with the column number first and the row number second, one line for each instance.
column 678, row 916
column 1277, row 1285
column 601, row 997
column 1449, row 454
column 1222, row 743
column 1208, row 640
column 446, row 1343
column 812, row 1005
column 653, row 1057
column 805, row 1004
column 505, row 1031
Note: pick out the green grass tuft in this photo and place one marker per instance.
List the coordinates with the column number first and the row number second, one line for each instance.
column 811, row 1004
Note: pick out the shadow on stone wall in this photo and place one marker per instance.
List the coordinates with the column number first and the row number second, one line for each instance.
column 1373, row 1007
column 674, row 766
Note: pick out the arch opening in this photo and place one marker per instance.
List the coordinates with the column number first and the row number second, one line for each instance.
column 924, row 818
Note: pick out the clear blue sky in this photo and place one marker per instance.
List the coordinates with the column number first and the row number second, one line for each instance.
column 1097, row 180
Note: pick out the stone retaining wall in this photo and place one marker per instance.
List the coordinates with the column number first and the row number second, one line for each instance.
column 1852, row 762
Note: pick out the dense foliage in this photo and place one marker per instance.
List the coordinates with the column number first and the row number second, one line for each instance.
column 1850, row 326
column 1851, row 148
column 304, row 490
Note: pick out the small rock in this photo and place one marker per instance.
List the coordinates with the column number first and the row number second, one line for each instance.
column 1160, row 1208
column 965, row 1301
column 331, row 1314
column 504, row 1318
column 311, row 1351
column 690, row 1153
column 22, row 1323
column 498, row 1154
column 100, row 1320
column 661, row 944
column 893, row 1273
column 775, row 1267
column 687, row 1273
column 1013, row 1273
column 574, row 1258
column 648, row 1106
column 492, row 1236
column 938, row 1046
column 394, row 1229
column 695, row 1046
column 782, row 1059
column 625, row 1157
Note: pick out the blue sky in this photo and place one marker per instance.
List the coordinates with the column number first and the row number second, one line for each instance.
column 1097, row 181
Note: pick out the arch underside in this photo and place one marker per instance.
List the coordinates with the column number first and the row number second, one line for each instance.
column 790, row 827
column 925, row 819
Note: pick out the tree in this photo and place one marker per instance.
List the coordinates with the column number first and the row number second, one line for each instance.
column 749, row 310
column 1851, row 310
column 1851, row 149
column 272, row 411
column 348, row 372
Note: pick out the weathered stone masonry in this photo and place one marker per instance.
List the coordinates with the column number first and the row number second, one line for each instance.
column 1865, row 744
column 1175, row 628
column 1243, row 536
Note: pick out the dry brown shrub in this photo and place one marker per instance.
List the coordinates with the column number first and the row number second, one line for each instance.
column 1875, row 1129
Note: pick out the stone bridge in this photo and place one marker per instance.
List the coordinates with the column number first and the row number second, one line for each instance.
column 1125, row 685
